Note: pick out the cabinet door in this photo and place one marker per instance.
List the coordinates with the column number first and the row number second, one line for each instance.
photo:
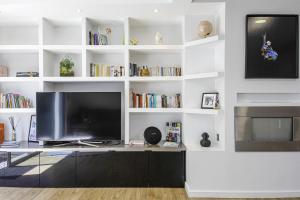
column 3, row 164
column 130, row 169
column 167, row 169
column 21, row 169
column 57, row 169
column 94, row 169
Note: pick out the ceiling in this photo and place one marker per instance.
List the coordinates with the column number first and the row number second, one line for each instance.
column 28, row 11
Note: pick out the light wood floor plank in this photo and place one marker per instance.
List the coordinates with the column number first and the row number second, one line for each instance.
column 101, row 194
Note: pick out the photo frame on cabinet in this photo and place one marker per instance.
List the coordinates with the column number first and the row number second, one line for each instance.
column 272, row 46
column 32, row 129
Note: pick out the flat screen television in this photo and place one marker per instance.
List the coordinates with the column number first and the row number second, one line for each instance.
column 78, row 116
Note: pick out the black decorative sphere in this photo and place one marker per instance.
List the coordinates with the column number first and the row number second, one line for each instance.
column 205, row 142
column 152, row 135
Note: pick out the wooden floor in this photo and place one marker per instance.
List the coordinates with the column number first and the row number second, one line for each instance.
column 93, row 194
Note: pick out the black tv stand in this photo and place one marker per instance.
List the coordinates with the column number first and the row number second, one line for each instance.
column 84, row 166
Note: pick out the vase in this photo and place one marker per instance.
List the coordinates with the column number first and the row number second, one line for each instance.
column 205, row 142
column 205, row 28
column 13, row 135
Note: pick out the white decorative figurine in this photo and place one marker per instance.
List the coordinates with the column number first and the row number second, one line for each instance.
column 205, row 29
column 158, row 38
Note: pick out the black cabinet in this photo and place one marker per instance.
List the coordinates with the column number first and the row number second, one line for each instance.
column 166, row 169
column 130, row 169
column 19, row 169
column 94, row 169
column 58, row 169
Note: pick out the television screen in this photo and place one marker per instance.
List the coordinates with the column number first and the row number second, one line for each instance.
column 68, row 116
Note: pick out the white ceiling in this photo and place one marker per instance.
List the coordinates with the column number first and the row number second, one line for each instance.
column 29, row 11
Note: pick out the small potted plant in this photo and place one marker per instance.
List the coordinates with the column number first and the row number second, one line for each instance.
column 66, row 67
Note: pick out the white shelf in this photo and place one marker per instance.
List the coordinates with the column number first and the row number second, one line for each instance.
column 202, row 111
column 203, row 75
column 204, row 41
column 19, row 79
column 17, row 111
column 156, row 48
column 155, row 110
column 19, row 48
column 155, row 79
column 63, row 48
column 197, row 147
column 83, row 79
column 106, row 48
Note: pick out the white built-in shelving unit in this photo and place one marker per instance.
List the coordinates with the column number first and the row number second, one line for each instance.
column 44, row 43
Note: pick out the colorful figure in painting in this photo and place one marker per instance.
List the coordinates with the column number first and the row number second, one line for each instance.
column 267, row 51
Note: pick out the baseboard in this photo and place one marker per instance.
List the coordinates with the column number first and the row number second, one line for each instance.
column 240, row 194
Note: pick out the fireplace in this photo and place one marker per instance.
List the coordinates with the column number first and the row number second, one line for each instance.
column 267, row 128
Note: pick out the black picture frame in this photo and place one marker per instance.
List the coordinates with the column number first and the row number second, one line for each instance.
column 283, row 32
column 215, row 103
column 32, row 129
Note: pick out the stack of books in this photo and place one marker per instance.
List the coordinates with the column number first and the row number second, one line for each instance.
column 134, row 70
column 106, row 70
column 152, row 100
column 27, row 74
column 10, row 100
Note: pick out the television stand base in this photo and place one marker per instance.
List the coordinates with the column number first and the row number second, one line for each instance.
column 76, row 143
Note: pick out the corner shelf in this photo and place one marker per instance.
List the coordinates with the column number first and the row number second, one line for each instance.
column 155, row 79
column 204, row 41
column 155, row 110
column 203, row 75
column 17, row 110
column 201, row 111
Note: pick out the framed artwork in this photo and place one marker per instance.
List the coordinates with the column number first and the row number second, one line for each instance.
column 32, row 129
column 210, row 100
column 272, row 46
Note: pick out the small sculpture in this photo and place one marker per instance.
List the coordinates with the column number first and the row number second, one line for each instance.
column 108, row 34
column 205, row 142
column 133, row 41
column 158, row 38
column 205, row 28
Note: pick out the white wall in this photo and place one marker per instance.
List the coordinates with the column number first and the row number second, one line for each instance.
column 246, row 174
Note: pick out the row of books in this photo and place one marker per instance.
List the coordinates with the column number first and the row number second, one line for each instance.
column 151, row 100
column 173, row 132
column 106, row 70
column 135, row 70
column 97, row 39
column 10, row 100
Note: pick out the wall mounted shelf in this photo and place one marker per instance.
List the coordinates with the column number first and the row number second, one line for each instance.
column 203, row 75
column 155, row 110
column 51, row 40
column 201, row 42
